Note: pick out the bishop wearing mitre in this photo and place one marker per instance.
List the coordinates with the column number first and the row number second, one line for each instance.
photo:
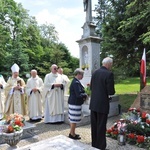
column 15, row 94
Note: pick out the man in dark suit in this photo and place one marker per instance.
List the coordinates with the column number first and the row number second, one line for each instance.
column 102, row 86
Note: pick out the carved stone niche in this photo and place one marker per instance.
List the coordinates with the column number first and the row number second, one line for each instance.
column 85, row 58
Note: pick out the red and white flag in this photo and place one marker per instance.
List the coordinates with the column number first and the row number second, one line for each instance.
column 143, row 69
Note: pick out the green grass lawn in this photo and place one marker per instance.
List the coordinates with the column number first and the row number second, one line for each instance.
column 127, row 90
column 129, row 85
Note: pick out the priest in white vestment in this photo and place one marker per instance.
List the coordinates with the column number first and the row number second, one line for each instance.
column 15, row 94
column 66, row 81
column 2, row 96
column 34, row 89
column 53, row 97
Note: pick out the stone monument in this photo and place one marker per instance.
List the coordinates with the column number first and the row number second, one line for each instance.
column 89, row 45
column 143, row 100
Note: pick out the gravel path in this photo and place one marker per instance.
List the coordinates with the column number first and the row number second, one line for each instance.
column 45, row 131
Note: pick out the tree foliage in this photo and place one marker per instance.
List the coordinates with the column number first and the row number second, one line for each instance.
column 124, row 28
column 31, row 46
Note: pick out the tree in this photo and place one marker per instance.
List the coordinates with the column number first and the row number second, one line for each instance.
column 48, row 32
column 31, row 40
column 31, row 46
column 11, row 18
column 119, row 41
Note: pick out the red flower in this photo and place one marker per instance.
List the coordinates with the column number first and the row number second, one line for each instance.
column 88, row 84
column 115, row 132
column 144, row 114
column 109, row 131
column 131, row 136
column 10, row 129
column 138, row 110
column 140, row 138
column 148, row 121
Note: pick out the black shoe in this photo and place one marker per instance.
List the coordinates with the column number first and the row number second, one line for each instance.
column 76, row 137
column 30, row 120
column 60, row 122
column 35, row 120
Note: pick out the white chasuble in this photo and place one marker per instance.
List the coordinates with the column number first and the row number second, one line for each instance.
column 2, row 96
column 53, row 96
column 35, row 104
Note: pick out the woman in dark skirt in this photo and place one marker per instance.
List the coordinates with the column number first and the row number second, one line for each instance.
column 75, row 101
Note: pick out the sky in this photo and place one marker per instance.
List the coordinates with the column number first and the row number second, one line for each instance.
column 67, row 16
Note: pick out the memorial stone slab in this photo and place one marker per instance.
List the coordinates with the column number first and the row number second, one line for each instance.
column 60, row 142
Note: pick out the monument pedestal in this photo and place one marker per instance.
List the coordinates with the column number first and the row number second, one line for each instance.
column 113, row 111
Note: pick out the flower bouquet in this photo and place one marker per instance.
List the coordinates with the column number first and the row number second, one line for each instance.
column 88, row 92
column 15, row 122
column 133, row 131
column 119, row 128
column 13, row 131
column 87, row 89
column 133, row 113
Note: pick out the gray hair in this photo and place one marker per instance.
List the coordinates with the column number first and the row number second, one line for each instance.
column 33, row 70
column 53, row 65
column 107, row 60
column 78, row 71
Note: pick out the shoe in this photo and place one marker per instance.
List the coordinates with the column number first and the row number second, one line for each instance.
column 74, row 137
column 30, row 120
column 35, row 120
column 77, row 135
column 60, row 122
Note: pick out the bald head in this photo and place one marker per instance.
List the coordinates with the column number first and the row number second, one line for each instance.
column 54, row 68
column 33, row 73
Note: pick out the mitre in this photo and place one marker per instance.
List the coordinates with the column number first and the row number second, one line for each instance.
column 15, row 68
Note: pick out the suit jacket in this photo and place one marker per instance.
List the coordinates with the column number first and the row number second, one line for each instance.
column 77, row 93
column 102, row 85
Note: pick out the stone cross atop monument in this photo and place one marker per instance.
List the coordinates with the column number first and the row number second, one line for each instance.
column 89, row 26
column 89, row 45
column 88, row 9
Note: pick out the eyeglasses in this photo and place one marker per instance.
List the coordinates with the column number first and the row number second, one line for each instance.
column 55, row 68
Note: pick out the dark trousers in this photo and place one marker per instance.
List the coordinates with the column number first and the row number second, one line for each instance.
column 98, row 130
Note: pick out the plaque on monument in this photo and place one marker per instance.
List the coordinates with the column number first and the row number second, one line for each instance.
column 145, row 101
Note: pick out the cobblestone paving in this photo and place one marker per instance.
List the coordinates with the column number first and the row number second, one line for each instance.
column 45, row 131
